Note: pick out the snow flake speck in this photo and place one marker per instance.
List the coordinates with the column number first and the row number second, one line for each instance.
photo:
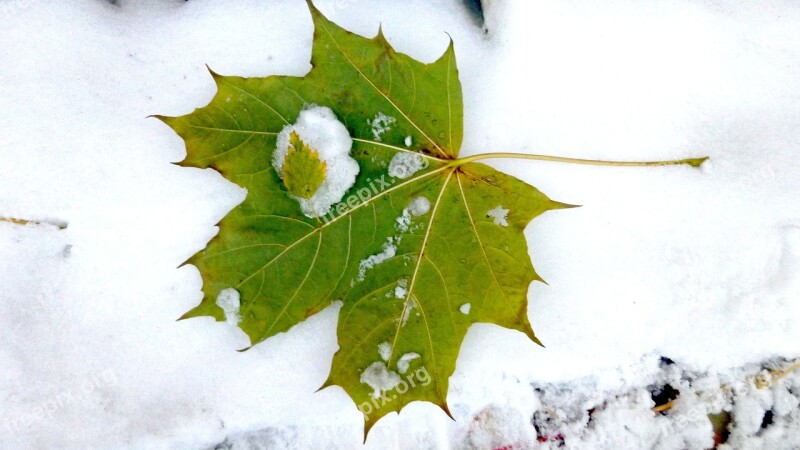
column 465, row 308
column 380, row 124
column 419, row 206
column 403, row 222
column 407, row 312
column 400, row 290
column 499, row 215
column 404, row 361
column 385, row 350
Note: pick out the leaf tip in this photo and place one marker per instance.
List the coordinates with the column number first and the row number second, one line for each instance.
column 537, row 277
column 380, row 37
column 450, row 45
column 205, row 308
column 164, row 119
column 187, row 315
column 448, row 54
column 328, row 383
column 368, row 424
column 697, row 162
column 561, row 205
column 314, row 11
column 197, row 311
column 446, row 410
column 214, row 75
column 188, row 260
column 531, row 335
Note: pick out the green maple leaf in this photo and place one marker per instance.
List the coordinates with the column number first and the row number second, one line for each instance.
column 303, row 172
column 416, row 254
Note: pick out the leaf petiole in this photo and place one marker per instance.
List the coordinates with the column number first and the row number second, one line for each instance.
column 694, row 162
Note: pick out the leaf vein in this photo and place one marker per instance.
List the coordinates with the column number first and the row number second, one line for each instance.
column 388, row 99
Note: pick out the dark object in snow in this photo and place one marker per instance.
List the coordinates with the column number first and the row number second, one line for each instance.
column 666, row 361
column 546, row 427
column 476, row 8
column 720, row 423
column 768, row 419
column 663, row 395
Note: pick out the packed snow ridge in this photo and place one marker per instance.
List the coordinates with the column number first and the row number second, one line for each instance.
column 761, row 411
column 319, row 128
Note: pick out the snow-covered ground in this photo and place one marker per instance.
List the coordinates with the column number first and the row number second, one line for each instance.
column 698, row 266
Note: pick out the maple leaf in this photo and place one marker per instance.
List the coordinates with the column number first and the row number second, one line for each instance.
column 303, row 172
column 421, row 246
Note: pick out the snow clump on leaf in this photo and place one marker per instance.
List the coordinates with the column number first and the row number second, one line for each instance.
column 319, row 128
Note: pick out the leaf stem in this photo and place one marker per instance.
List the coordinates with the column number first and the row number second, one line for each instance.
column 694, row 162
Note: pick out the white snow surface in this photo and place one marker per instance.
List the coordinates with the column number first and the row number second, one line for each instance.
column 319, row 128
column 701, row 266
